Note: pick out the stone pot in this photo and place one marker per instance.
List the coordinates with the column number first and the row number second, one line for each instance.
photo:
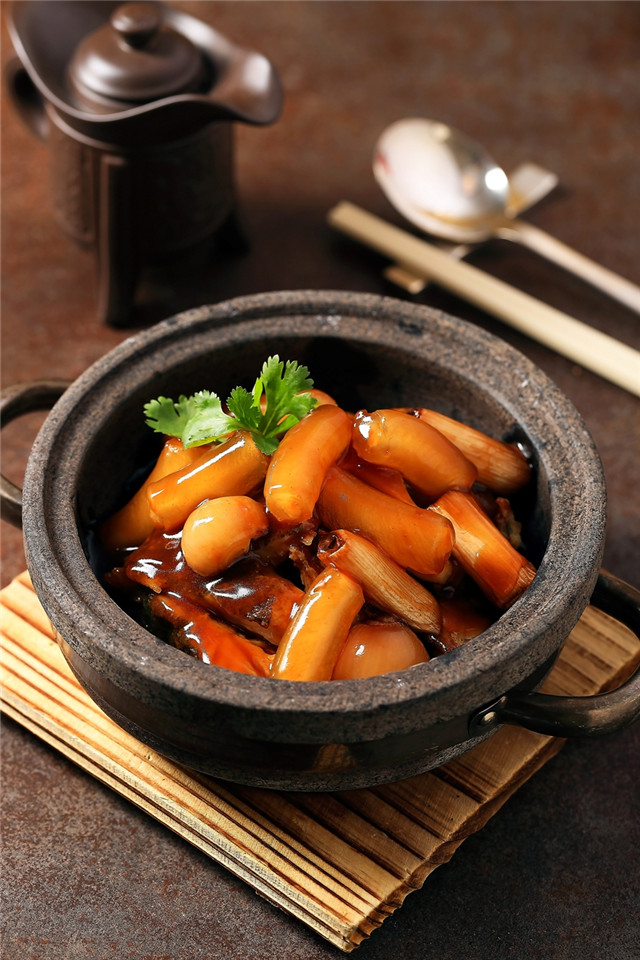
column 367, row 351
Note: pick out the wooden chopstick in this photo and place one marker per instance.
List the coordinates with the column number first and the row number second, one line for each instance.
column 611, row 359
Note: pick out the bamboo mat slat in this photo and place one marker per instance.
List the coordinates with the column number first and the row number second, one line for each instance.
column 340, row 863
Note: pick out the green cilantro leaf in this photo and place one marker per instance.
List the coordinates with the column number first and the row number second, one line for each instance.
column 242, row 405
column 279, row 399
column 165, row 416
column 285, row 388
column 196, row 420
column 207, row 422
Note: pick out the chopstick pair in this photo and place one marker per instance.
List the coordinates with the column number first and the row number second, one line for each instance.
column 598, row 352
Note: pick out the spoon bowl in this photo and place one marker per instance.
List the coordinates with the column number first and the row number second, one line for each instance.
column 441, row 180
column 447, row 185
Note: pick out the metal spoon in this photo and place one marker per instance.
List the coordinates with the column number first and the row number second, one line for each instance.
column 528, row 184
column 447, row 185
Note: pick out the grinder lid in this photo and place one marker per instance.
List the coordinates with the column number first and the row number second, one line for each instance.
column 134, row 58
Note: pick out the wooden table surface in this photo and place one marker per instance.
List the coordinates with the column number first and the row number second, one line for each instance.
column 555, row 874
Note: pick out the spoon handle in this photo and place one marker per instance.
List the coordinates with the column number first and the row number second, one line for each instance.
column 579, row 342
column 547, row 246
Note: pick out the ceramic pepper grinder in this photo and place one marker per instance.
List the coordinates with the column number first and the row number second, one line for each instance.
column 137, row 102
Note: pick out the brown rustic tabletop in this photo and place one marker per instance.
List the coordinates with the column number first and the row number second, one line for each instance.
column 554, row 875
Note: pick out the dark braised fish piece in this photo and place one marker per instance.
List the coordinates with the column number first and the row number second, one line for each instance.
column 206, row 638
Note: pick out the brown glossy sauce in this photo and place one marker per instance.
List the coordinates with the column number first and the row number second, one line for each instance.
column 251, row 594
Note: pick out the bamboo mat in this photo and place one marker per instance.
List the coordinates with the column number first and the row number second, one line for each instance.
column 339, row 863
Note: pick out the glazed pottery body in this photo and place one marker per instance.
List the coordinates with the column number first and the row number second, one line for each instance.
column 368, row 352
column 141, row 143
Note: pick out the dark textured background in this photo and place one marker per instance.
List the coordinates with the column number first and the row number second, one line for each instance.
column 555, row 874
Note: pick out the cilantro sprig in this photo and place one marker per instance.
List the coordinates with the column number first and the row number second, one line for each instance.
column 201, row 418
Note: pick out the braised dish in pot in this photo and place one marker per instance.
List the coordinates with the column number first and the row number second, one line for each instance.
column 283, row 536
column 368, row 353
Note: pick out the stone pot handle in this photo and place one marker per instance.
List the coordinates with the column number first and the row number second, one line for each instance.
column 16, row 401
column 577, row 716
